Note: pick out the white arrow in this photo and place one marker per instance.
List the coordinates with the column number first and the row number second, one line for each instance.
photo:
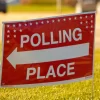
column 47, row 55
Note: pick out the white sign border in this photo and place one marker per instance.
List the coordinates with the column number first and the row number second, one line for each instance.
column 48, row 83
column 3, row 28
column 94, row 52
column 64, row 15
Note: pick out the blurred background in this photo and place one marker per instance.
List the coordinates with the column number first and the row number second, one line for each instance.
column 31, row 9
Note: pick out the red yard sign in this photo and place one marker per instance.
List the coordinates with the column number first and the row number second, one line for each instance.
column 48, row 51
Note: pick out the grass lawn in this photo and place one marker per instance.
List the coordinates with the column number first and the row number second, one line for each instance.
column 37, row 8
column 74, row 91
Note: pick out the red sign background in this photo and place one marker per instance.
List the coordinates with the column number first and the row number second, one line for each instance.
column 83, row 67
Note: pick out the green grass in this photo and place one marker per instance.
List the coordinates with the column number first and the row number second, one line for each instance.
column 37, row 8
column 74, row 91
